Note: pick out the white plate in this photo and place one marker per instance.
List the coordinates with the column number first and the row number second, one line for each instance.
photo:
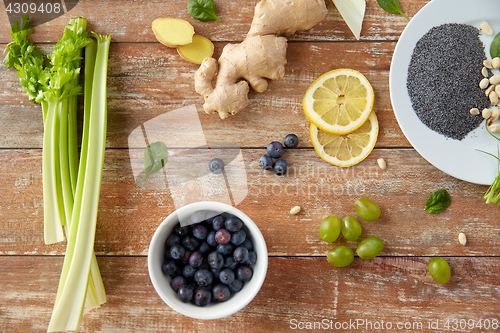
column 460, row 159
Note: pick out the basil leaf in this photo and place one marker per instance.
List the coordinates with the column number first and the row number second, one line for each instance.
column 155, row 157
column 495, row 47
column 437, row 202
column 202, row 10
column 391, row 6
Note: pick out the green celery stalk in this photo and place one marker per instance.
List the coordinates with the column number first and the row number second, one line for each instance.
column 68, row 309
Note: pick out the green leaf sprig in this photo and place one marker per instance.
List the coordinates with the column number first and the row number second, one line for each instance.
column 391, row 6
column 495, row 47
column 155, row 157
column 438, row 202
column 202, row 10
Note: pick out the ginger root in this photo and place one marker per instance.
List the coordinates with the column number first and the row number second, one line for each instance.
column 199, row 49
column 261, row 56
column 173, row 32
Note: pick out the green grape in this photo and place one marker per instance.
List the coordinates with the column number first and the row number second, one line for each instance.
column 439, row 270
column 370, row 247
column 340, row 256
column 329, row 229
column 351, row 229
column 367, row 209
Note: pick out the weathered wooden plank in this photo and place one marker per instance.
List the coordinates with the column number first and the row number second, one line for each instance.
column 296, row 292
column 148, row 80
column 129, row 21
column 129, row 214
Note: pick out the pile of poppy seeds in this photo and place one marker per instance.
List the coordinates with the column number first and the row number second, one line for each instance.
column 443, row 76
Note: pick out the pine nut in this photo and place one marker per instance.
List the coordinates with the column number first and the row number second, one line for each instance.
column 486, row 113
column 295, row 210
column 382, row 164
column 462, row 239
column 485, row 27
column 495, row 62
column 493, row 98
column 495, row 113
column 484, row 71
column 487, row 64
column 483, row 84
column 494, row 128
column 474, row 111
column 495, row 79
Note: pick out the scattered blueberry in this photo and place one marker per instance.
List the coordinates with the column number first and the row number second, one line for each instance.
column 200, row 231
column 240, row 254
column 291, row 141
column 225, row 249
column 244, row 273
column 177, row 251
column 222, row 236
column 178, row 282
column 215, row 259
column 236, row 285
column 233, row 223
column 275, row 149
column 221, row 293
column 172, row 240
column 196, row 259
column 280, row 167
column 226, row 276
column 203, row 277
column 218, row 222
column 185, row 293
column 216, row 165
column 266, row 162
column 202, row 297
column 238, row 237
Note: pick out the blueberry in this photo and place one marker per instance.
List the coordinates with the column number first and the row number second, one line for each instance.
column 167, row 255
column 178, row 282
column 275, row 149
column 244, row 273
column 280, row 167
column 230, row 263
column 185, row 293
column 221, row 293
column 233, row 223
column 181, row 231
column 169, row 267
column 238, row 237
column 188, row 271
column 216, row 165
column 291, row 141
column 185, row 258
column 225, row 249
column 211, row 238
column 266, row 162
column 190, row 242
column 202, row 297
column 216, row 272
column 218, row 222
column 215, row 259
column 203, row 277
column 226, row 276
column 204, row 248
column 196, row 259
column 200, row 231
column 222, row 236
column 177, row 251
column 240, row 254
column 252, row 258
column 235, row 286
column 248, row 244
column 172, row 240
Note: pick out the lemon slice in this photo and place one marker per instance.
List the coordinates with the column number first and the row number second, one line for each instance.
column 346, row 150
column 339, row 101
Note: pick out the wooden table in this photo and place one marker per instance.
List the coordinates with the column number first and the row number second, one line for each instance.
column 147, row 80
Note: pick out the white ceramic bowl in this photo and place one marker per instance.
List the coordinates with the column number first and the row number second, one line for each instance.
column 161, row 282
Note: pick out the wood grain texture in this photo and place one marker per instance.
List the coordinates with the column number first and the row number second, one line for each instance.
column 297, row 291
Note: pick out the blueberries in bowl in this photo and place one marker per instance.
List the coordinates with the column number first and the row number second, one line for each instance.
column 209, row 260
